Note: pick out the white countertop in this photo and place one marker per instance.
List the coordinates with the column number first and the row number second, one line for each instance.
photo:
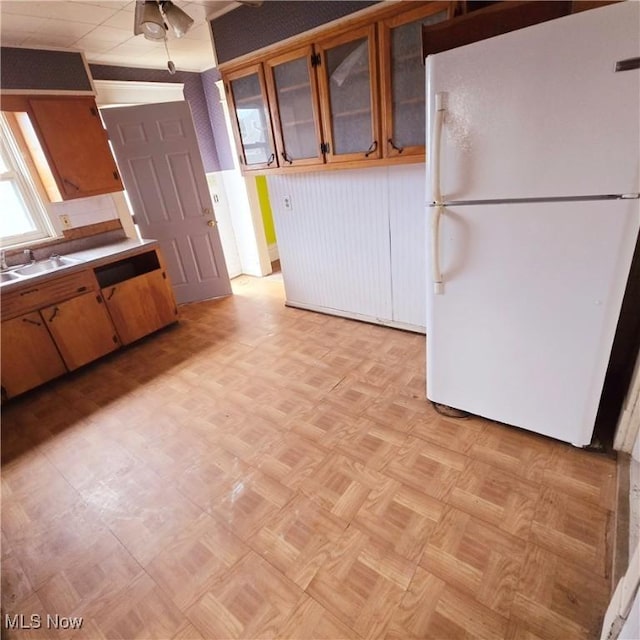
column 88, row 257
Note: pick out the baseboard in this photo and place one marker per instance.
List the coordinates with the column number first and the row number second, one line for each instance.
column 357, row 316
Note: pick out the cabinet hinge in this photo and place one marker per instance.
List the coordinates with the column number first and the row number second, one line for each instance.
column 324, row 147
column 99, row 299
column 133, row 219
column 115, row 339
column 316, row 60
column 164, row 275
column 115, row 175
column 94, row 112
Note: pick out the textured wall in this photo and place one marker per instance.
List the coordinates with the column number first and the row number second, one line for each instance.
column 42, row 69
column 193, row 93
column 247, row 28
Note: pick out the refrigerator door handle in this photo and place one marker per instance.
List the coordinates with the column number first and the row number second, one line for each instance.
column 438, row 121
column 438, row 208
column 438, row 285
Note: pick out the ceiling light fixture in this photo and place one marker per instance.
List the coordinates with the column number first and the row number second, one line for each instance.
column 150, row 20
column 178, row 20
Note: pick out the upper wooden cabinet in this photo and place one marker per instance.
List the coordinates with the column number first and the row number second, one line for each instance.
column 349, row 95
column 249, row 111
column 293, row 92
column 75, row 145
column 403, row 78
column 354, row 95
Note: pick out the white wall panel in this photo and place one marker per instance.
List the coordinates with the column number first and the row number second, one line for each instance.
column 334, row 241
column 407, row 223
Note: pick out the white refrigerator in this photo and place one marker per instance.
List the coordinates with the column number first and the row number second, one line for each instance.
column 533, row 182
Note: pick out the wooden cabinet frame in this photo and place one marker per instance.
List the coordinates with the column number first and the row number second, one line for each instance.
column 374, row 152
column 283, row 159
column 233, row 106
column 422, row 10
column 74, row 143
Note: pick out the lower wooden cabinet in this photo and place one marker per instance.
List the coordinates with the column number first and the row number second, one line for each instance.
column 82, row 329
column 29, row 355
column 140, row 305
column 53, row 326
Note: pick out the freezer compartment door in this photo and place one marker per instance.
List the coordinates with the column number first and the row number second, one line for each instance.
column 524, row 327
column 540, row 112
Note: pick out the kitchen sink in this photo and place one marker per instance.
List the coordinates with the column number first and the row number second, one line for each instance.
column 8, row 277
column 45, row 266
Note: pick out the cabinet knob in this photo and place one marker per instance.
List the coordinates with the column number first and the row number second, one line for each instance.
column 212, row 223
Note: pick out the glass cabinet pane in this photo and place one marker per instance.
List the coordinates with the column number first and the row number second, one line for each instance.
column 295, row 108
column 253, row 119
column 408, row 81
column 349, row 85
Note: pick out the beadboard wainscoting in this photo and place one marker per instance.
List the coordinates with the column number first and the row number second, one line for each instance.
column 352, row 243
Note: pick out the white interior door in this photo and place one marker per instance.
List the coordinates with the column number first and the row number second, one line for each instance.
column 159, row 160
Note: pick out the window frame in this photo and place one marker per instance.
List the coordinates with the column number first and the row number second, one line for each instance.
column 20, row 175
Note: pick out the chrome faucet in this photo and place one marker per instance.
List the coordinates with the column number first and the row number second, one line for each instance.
column 3, row 261
column 28, row 254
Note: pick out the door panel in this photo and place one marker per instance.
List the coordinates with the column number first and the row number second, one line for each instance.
column 157, row 151
column 523, row 331
column 140, row 306
column 508, row 136
column 82, row 329
column 29, row 356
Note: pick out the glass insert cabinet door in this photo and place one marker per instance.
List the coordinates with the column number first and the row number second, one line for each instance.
column 293, row 94
column 403, row 77
column 348, row 94
column 250, row 115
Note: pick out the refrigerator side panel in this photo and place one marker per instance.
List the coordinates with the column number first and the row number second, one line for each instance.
column 524, row 329
column 541, row 112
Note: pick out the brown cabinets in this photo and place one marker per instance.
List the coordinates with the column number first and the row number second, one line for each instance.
column 56, row 325
column 29, row 355
column 349, row 97
column 73, row 140
column 137, row 295
column 353, row 95
column 81, row 329
column 293, row 92
column 248, row 97
column 403, row 79
column 347, row 75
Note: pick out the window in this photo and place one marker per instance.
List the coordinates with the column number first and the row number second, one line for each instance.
column 23, row 217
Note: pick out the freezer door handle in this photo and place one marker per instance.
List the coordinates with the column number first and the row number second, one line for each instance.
column 436, row 214
column 438, row 122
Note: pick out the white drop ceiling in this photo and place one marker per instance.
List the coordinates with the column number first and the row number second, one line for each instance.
column 103, row 29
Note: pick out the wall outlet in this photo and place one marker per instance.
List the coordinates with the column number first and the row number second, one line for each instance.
column 65, row 221
column 286, row 202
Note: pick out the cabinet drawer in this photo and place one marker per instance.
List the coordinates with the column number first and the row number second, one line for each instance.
column 35, row 295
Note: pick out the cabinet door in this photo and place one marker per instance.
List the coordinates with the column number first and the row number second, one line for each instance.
column 75, row 144
column 349, row 95
column 403, row 79
column 293, row 96
column 81, row 328
column 250, row 117
column 141, row 305
column 29, row 356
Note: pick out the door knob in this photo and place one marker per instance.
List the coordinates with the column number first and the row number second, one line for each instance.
column 212, row 223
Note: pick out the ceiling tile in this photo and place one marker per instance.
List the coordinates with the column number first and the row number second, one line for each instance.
column 15, row 22
column 121, row 20
column 74, row 30
column 109, row 34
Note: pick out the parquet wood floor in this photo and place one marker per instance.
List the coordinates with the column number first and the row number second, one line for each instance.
column 264, row 472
